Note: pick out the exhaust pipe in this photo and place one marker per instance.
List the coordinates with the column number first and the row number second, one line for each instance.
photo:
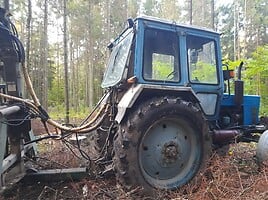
column 239, row 88
column 224, row 136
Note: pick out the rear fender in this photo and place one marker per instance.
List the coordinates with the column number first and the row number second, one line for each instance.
column 140, row 92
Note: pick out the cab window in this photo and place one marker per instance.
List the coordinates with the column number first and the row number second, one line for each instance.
column 202, row 63
column 160, row 57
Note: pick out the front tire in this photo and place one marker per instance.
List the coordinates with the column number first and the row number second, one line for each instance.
column 162, row 144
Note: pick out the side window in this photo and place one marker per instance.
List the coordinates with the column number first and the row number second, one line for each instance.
column 202, row 60
column 160, row 57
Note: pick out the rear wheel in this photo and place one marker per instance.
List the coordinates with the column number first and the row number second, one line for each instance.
column 262, row 148
column 163, row 144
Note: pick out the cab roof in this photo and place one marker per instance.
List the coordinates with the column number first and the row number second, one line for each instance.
column 173, row 23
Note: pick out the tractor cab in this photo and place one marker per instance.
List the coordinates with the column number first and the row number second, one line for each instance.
column 164, row 57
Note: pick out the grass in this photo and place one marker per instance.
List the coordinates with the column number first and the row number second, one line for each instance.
column 59, row 113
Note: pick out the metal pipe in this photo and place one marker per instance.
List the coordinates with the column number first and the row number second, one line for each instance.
column 223, row 136
column 239, row 87
column 4, row 112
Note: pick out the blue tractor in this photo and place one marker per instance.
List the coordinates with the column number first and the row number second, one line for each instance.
column 168, row 103
column 173, row 103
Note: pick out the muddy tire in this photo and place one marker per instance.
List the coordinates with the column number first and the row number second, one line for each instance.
column 97, row 140
column 162, row 144
column 95, row 143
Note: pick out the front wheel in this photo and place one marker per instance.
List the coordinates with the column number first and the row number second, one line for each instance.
column 162, row 144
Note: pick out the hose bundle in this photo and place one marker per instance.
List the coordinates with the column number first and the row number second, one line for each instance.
column 99, row 112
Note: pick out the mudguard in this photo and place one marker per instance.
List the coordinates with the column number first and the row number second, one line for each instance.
column 133, row 93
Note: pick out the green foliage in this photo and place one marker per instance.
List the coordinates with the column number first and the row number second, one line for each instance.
column 56, row 92
column 243, row 25
column 232, row 65
column 256, row 76
column 161, row 70
column 202, row 13
column 170, row 9
column 57, row 112
column 91, row 25
column 204, row 72
column 150, row 7
column 133, row 7
column 258, row 63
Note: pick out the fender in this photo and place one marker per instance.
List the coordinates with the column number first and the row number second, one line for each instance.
column 134, row 92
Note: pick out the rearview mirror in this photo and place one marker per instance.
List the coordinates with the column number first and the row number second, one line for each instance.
column 193, row 56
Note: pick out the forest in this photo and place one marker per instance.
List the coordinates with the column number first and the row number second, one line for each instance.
column 66, row 53
column 66, row 42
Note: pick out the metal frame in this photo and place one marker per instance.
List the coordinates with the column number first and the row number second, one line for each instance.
column 12, row 164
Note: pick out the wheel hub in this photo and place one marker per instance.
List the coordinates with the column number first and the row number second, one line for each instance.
column 170, row 152
column 166, row 150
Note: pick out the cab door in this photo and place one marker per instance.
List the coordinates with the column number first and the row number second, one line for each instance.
column 203, row 65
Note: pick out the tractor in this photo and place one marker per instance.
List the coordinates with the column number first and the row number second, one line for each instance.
column 168, row 103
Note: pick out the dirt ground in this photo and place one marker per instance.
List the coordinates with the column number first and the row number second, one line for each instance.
column 233, row 176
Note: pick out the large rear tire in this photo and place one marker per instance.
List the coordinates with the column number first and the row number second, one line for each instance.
column 262, row 148
column 163, row 144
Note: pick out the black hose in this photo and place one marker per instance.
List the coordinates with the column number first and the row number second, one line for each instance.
column 43, row 138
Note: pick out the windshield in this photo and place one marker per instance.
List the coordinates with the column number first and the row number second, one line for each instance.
column 117, row 61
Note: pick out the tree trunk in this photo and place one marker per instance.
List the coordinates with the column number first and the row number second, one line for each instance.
column 213, row 14
column 45, row 57
column 65, row 48
column 6, row 4
column 235, row 29
column 72, row 72
column 28, row 36
column 191, row 12
column 91, row 56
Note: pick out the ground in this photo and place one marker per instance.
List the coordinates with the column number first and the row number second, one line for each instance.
column 233, row 176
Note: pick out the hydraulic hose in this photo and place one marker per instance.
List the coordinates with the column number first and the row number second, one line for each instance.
column 90, row 126
column 29, row 85
column 37, row 107
column 26, row 101
column 87, row 127
column 80, row 128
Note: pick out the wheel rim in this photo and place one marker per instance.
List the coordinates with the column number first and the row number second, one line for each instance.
column 169, row 153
